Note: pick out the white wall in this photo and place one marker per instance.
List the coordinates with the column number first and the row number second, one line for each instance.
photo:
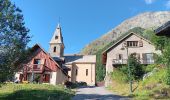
column 53, row 78
column 61, row 77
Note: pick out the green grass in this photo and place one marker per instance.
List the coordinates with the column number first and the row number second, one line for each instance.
column 34, row 92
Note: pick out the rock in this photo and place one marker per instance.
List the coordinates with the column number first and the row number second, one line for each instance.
column 150, row 73
column 145, row 20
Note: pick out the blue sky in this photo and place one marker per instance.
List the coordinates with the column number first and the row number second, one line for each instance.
column 82, row 21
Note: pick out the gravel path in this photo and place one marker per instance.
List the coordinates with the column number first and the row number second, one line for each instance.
column 96, row 93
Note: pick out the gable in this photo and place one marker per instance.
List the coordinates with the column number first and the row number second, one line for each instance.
column 116, row 47
column 50, row 63
column 131, row 36
column 38, row 53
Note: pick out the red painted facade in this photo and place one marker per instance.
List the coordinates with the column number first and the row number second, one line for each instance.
column 39, row 63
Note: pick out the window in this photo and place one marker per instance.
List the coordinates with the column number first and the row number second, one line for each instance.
column 148, row 58
column 76, row 72
column 86, row 72
column 37, row 61
column 132, row 43
column 120, row 56
column 46, row 78
column 56, row 37
column 54, row 49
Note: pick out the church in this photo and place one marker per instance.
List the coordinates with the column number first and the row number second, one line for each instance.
column 54, row 67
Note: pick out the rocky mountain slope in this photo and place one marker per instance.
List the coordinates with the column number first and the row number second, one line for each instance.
column 145, row 20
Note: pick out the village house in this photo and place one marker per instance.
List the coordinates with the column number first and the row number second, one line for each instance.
column 163, row 30
column 55, row 67
column 42, row 68
column 117, row 54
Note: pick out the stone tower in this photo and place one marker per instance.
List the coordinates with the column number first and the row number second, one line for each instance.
column 56, row 43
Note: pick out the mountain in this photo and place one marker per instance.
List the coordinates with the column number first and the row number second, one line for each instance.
column 147, row 20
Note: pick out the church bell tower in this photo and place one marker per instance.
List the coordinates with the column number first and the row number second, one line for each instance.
column 56, row 43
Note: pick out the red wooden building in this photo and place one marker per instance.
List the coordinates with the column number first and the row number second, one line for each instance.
column 42, row 68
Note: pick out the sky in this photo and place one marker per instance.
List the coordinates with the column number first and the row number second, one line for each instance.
column 82, row 21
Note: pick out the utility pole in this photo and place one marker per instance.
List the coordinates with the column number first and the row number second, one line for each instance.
column 130, row 79
column 125, row 46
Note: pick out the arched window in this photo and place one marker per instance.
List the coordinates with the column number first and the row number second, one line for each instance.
column 56, row 37
column 54, row 49
column 76, row 72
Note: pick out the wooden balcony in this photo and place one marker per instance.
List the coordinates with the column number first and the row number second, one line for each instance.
column 36, row 68
column 124, row 61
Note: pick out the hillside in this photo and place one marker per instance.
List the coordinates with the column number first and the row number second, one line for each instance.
column 145, row 20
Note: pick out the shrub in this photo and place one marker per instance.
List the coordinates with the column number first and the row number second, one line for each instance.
column 119, row 76
column 168, row 76
column 149, row 68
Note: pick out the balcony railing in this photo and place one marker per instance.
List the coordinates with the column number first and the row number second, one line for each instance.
column 124, row 61
column 33, row 68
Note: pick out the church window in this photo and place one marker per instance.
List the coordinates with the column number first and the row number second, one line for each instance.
column 54, row 49
column 76, row 72
column 86, row 72
column 56, row 37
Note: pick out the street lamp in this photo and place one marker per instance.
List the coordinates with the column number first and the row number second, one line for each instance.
column 124, row 46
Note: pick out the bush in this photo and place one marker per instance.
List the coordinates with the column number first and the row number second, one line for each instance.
column 168, row 76
column 124, row 69
column 149, row 68
column 119, row 76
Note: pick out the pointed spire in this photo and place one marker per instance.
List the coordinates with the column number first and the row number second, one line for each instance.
column 57, row 37
column 58, row 26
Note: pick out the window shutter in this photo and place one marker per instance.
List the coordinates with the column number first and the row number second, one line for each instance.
column 138, row 56
column 125, row 44
column 140, row 43
column 43, row 61
column 117, row 56
column 121, row 56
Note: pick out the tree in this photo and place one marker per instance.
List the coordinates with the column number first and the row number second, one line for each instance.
column 13, row 39
column 135, row 67
column 100, row 68
column 166, row 59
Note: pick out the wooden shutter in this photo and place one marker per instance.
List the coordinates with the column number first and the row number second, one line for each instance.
column 138, row 56
column 117, row 56
column 125, row 44
column 140, row 43
column 43, row 61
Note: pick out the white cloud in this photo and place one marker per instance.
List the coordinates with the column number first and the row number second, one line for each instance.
column 167, row 4
column 149, row 1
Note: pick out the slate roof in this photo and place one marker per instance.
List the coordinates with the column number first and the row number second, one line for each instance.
column 69, row 59
column 163, row 30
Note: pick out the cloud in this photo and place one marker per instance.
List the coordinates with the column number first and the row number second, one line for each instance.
column 167, row 4
column 149, row 1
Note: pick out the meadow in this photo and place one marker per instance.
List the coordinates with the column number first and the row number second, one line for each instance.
column 34, row 92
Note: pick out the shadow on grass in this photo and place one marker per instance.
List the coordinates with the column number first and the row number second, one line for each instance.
column 37, row 95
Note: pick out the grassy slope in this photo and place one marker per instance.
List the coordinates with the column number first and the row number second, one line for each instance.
column 34, row 92
column 152, row 87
